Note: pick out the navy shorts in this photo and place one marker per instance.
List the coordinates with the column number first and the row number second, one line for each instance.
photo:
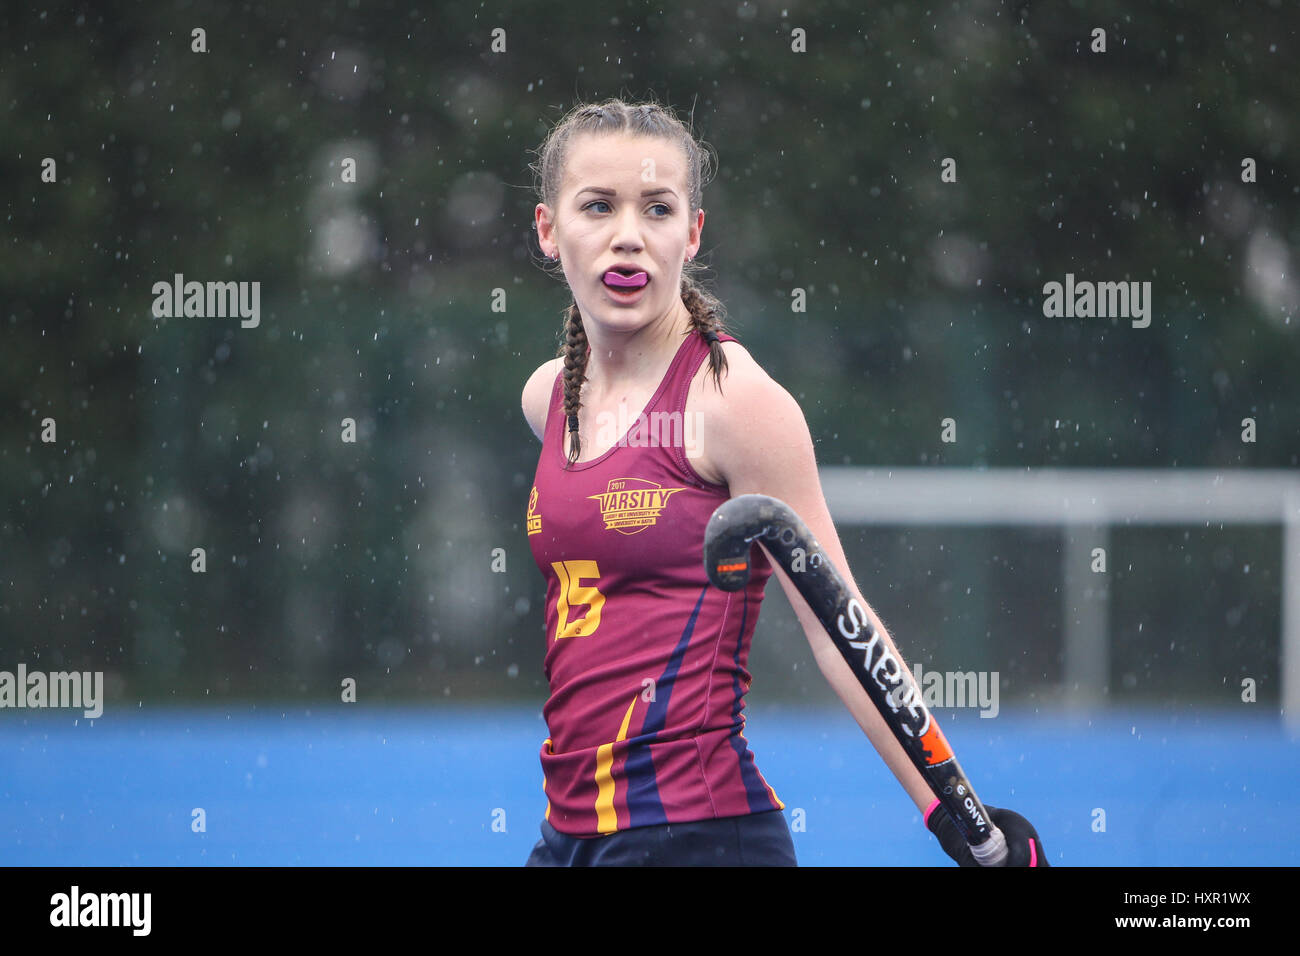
column 755, row 839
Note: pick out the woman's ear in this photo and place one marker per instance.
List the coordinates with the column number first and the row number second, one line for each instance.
column 546, row 231
column 693, row 240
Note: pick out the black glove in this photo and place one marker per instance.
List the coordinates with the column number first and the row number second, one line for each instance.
column 1023, row 846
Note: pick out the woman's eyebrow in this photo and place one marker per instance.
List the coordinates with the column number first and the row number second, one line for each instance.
column 600, row 190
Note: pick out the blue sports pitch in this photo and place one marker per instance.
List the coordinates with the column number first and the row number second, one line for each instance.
column 462, row 786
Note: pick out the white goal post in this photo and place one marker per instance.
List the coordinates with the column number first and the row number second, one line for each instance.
column 1085, row 503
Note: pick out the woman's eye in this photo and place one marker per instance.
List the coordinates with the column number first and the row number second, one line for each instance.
column 667, row 210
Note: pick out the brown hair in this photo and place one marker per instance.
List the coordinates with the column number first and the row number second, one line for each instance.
column 638, row 119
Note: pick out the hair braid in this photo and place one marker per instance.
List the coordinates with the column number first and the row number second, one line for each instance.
column 574, row 350
column 706, row 317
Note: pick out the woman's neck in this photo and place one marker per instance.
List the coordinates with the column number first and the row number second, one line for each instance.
column 623, row 360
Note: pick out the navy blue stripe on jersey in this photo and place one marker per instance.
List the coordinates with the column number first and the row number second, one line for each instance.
column 643, row 804
column 755, row 789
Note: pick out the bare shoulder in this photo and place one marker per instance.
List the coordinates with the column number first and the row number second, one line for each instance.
column 537, row 395
column 750, row 412
column 742, row 374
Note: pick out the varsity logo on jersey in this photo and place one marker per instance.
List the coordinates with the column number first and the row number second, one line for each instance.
column 630, row 505
column 534, row 520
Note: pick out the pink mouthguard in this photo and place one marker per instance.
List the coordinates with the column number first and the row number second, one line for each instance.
column 634, row 281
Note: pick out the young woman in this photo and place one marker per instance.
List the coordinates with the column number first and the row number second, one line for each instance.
column 650, row 418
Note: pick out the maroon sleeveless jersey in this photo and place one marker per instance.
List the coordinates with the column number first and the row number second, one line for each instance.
column 646, row 660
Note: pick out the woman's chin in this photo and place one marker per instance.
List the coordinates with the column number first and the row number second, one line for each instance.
column 619, row 317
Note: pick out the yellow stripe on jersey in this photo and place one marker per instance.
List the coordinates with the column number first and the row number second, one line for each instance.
column 547, row 745
column 606, row 815
column 775, row 799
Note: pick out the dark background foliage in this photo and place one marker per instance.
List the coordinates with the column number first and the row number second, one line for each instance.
column 373, row 559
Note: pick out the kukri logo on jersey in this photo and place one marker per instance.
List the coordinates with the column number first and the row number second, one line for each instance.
column 534, row 519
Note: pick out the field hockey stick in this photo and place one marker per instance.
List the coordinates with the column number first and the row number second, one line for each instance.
column 732, row 530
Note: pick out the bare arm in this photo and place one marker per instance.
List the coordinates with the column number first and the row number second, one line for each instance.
column 537, row 395
column 758, row 439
